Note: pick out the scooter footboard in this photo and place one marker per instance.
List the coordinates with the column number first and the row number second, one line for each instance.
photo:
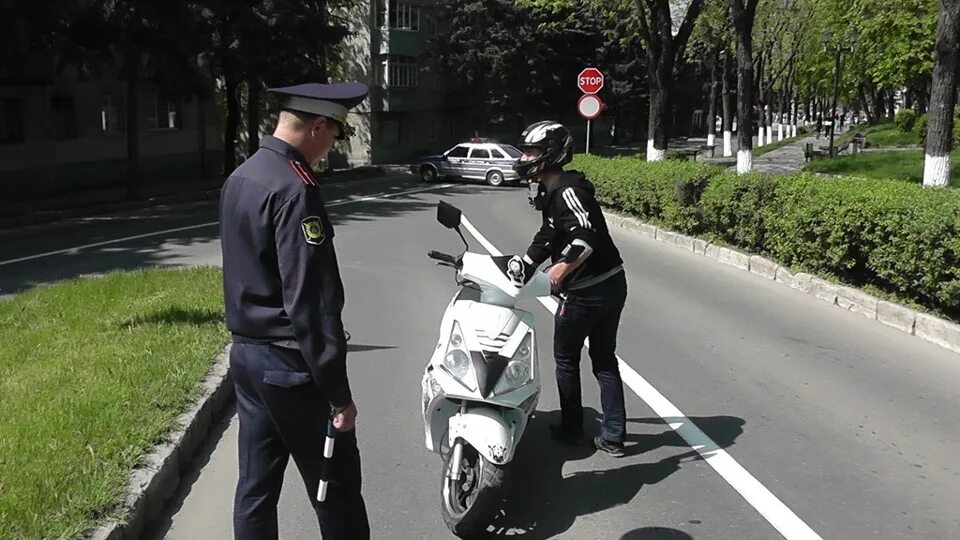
column 494, row 432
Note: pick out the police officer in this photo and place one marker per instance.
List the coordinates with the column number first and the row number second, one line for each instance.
column 588, row 275
column 284, row 298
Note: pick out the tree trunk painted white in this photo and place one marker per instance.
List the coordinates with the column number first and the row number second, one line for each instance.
column 744, row 161
column 943, row 95
column 769, row 134
column 760, row 137
column 779, row 132
column 655, row 154
column 727, row 144
column 711, row 140
column 793, row 129
column 936, row 171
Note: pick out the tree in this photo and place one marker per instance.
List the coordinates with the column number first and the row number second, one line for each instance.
column 665, row 41
column 729, row 101
column 511, row 59
column 936, row 169
column 711, row 40
column 744, row 13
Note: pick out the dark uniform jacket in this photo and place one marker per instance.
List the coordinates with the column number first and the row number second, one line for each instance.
column 281, row 281
column 571, row 215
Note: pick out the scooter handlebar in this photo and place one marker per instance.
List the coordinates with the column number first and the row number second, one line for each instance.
column 442, row 257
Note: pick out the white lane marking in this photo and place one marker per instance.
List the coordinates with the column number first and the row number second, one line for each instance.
column 770, row 507
column 338, row 202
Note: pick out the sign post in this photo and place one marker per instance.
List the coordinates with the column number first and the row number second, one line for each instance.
column 589, row 108
column 590, row 81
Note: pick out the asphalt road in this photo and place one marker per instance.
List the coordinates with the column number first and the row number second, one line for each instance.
column 813, row 417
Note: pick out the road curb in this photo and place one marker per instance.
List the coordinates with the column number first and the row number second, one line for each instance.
column 929, row 328
column 156, row 479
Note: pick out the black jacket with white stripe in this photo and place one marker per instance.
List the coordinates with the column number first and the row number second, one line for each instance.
column 572, row 216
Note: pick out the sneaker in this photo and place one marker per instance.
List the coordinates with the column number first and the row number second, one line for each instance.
column 613, row 449
column 565, row 436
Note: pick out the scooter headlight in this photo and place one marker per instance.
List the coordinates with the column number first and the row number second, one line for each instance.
column 519, row 370
column 517, row 373
column 457, row 363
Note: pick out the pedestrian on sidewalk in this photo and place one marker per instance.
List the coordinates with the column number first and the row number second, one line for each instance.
column 588, row 275
column 284, row 298
column 819, row 125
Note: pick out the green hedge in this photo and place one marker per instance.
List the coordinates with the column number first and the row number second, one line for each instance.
column 905, row 120
column 895, row 235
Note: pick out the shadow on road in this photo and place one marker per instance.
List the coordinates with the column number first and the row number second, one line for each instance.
column 542, row 503
column 195, row 245
column 656, row 533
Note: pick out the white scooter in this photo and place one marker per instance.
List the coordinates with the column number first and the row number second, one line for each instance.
column 483, row 380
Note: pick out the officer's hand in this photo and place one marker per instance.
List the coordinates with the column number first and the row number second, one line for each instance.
column 346, row 420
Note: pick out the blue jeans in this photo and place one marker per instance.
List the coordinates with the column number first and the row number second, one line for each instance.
column 593, row 312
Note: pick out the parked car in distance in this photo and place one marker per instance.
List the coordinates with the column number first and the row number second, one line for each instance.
column 478, row 159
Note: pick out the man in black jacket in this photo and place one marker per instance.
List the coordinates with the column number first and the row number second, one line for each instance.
column 589, row 278
column 284, row 301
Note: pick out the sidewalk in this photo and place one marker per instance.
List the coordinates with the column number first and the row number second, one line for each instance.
column 787, row 159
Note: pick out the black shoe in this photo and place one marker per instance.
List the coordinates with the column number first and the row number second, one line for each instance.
column 613, row 449
column 566, row 436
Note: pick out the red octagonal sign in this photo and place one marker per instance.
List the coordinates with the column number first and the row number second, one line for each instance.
column 590, row 80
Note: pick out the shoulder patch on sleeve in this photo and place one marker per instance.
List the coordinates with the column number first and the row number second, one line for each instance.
column 313, row 230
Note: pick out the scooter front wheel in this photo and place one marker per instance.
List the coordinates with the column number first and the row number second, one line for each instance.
column 469, row 503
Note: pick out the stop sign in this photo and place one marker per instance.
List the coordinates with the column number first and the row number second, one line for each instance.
column 590, row 80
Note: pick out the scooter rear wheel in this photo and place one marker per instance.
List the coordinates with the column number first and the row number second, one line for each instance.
column 469, row 504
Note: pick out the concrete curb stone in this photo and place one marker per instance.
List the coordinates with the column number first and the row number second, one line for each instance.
column 685, row 242
column 824, row 290
column 153, row 482
column 700, row 246
column 929, row 328
column 763, row 267
column 713, row 251
column 939, row 331
column 734, row 258
column 857, row 301
column 665, row 236
column 896, row 316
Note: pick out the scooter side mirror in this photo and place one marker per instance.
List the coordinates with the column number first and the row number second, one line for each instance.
column 448, row 215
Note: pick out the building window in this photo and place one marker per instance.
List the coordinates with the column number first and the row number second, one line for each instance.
column 111, row 114
column 400, row 15
column 399, row 71
column 63, row 119
column 165, row 114
column 11, row 121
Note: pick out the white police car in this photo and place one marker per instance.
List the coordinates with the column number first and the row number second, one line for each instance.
column 475, row 160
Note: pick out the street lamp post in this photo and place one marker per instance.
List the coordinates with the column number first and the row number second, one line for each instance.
column 838, row 48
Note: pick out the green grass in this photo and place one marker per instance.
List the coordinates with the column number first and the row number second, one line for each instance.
column 881, row 135
column 897, row 165
column 93, row 373
column 890, row 136
column 779, row 144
